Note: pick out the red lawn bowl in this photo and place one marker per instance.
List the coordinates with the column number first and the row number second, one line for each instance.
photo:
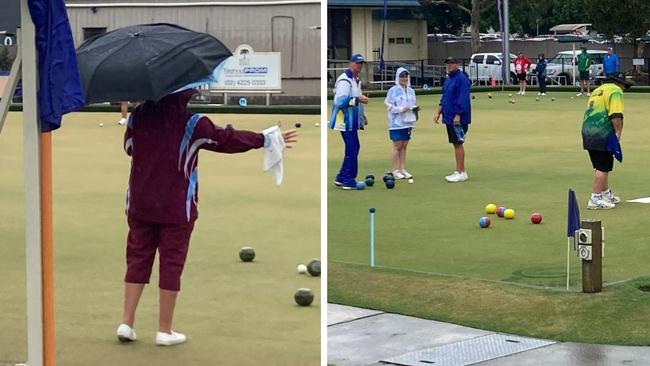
column 536, row 218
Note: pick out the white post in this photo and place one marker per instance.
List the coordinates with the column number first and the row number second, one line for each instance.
column 31, row 133
column 573, row 65
column 372, row 237
column 568, row 261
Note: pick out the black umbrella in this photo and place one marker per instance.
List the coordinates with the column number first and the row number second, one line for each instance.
column 146, row 62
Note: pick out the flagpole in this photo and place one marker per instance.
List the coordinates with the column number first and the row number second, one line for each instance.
column 31, row 166
column 568, row 259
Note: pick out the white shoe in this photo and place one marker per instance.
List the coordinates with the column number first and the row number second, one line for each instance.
column 523, row 93
column 398, row 175
column 457, row 177
column 122, row 122
column 598, row 203
column 406, row 174
column 588, row 94
column 539, row 94
column 579, row 94
column 543, row 94
column 609, row 196
column 126, row 333
column 452, row 176
column 519, row 92
column 166, row 339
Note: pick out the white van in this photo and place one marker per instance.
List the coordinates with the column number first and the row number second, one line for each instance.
column 559, row 67
column 486, row 66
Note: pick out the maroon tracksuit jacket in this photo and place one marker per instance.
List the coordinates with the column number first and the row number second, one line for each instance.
column 164, row 139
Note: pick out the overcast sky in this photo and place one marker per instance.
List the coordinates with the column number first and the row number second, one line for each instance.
column 9, row 15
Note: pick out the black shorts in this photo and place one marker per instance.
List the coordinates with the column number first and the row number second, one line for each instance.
column 584, row 75
column 521, row 77
column 601, row 160
column 453, row 136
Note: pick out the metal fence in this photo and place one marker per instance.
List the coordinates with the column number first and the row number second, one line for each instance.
column 431, row 73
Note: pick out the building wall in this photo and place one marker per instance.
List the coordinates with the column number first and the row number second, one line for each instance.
column 267, row 28
column 415, row 29
column 366, row 37
column 362, row 32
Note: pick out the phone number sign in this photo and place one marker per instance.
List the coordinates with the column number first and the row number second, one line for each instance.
column 249, row 70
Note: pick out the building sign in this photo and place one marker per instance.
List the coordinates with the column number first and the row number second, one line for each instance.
column 249, row 70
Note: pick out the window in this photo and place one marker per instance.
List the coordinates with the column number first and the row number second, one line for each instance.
column 478, row 59
column 492, row 60
column 400, row 40
column 93, row 32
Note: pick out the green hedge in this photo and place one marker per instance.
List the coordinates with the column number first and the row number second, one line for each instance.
column 199, row 108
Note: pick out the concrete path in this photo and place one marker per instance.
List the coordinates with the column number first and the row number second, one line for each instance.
column 361, row 337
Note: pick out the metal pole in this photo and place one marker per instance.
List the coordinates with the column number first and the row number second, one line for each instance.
column 31, row 134
column 506, row 42
column 14, row 76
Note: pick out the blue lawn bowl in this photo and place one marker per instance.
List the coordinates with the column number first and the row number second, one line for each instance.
column 361, row 186
column 390, row 184
column 370, row 181
column 372, row 210
column 243, row 102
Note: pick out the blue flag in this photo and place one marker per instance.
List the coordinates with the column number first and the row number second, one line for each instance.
column 59, row 88
column 573, row 215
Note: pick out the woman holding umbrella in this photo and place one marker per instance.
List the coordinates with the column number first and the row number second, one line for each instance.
column 158, row 63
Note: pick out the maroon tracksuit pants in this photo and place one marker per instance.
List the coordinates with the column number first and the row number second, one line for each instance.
column 172, row 242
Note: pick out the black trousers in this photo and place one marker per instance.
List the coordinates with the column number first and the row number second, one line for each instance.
column 541, row 80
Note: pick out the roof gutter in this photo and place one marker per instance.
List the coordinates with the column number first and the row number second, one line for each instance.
column 190, row 4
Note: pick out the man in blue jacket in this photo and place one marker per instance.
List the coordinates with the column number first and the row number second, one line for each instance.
column 456, row 115
column 610, row 63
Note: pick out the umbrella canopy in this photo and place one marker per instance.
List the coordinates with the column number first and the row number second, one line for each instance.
column 146, row 62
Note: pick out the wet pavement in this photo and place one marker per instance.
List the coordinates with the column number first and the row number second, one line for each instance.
column 361, row 337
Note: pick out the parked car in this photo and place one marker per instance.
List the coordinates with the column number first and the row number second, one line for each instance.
column 486, row 66
column 560, row 66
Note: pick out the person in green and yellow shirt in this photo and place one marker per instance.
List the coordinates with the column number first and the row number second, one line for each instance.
column 584, row 65
column 601, row 133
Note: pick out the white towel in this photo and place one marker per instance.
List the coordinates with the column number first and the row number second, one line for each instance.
column 273, row 147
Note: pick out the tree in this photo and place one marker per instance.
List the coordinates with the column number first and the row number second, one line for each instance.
column 615, row 17
column 474, row 10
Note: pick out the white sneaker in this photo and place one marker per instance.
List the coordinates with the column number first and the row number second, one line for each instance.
column 122, row 122
column 457, row 177
column 579, row 94
column 588, row 94
column 609, row 196
column 519, row 92
column 166, row 339
column 598, row 203
column 398, row 175
column 125, row 333
column 523, row 93
column 543, row 94
column 406, row 174
column 452, row 176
